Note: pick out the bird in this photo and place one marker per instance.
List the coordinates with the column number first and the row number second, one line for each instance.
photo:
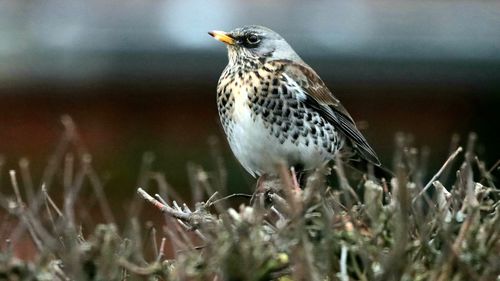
column 274, row 108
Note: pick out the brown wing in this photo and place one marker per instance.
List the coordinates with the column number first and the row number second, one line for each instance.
column 321, row 99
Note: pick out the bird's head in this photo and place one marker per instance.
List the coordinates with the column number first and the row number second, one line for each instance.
column 255, row 44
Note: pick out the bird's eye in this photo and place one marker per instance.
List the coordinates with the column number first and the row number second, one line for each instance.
column 253, row 39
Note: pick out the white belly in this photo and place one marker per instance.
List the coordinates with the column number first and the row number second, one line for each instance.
column 259, row 151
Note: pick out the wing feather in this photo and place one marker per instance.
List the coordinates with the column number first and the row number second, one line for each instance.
column 319, row 97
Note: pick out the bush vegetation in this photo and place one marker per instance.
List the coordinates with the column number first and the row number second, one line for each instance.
column 405, row 228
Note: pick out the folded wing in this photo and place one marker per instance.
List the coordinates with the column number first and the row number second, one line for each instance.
column 319, row 98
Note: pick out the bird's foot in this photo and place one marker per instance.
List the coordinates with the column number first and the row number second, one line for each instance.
column 265, row 185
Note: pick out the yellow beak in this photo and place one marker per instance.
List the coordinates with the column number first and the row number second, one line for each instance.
column 222, row 36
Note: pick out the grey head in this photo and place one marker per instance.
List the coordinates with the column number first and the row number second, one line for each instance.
column 255, row 43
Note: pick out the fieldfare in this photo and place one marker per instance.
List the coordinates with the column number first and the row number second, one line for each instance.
column 274, row 107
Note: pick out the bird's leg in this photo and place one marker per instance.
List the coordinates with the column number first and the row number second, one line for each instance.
column 259, row 187
column 260, row 183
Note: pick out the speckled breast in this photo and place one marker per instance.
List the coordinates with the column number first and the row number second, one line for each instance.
column 266, row 122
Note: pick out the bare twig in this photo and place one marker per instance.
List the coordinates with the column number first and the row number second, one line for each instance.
column 436, row 176
column 101, row 197
column 194, row 219
column 229, row 197
column 161, row 251
column 48, row 201
column 15, row 186
column 24, row 168
column 344, row 184
column 23, row 213
column 343, row 263
column 154, row 242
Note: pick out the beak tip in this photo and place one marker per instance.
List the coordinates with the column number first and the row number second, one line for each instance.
column 222, row 36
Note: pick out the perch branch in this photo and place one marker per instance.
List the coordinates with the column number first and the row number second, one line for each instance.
column 193, row 218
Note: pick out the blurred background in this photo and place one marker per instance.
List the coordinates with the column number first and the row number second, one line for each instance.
column 140, row 76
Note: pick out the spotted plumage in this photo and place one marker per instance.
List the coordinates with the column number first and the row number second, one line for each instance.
column 274, row 108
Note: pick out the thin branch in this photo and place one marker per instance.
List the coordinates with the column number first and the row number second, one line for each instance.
column 343, row 264
column 229, row 197
column 24, row 168
column 15, row 186
column 436, row 176
column 193, row 218
column 51, row 202
column 161, row 251
column 100, row 194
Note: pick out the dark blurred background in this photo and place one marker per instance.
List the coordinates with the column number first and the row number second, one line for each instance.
column 140, row 76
